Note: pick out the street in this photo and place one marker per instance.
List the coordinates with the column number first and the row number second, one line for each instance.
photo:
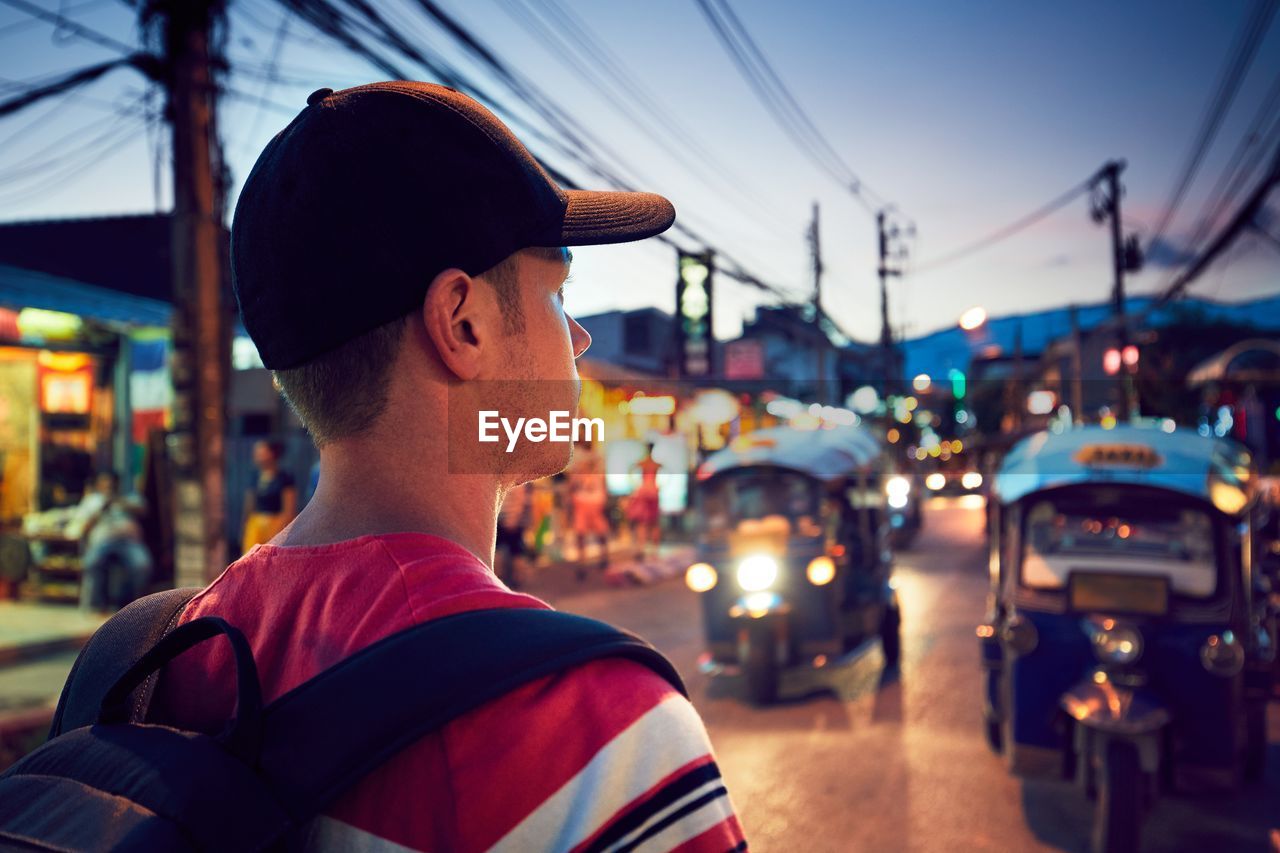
column 853, row 761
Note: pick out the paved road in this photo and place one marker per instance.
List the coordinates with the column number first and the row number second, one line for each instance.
column 851, row 761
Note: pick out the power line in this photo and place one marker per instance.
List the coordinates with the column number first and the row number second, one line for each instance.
column 74, row 79
column 282, row 32
column 581, row 143
column 1254, row 143
column 65, row 23
column 1002, row 234
column 1233, row 74
column 769, row 88
column 28, row 23
column 566, row 39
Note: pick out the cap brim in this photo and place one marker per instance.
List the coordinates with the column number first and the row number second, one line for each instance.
column 595, row 218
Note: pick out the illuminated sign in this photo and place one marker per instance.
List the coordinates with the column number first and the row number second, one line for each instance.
column 1118, row 456
column 694, row 340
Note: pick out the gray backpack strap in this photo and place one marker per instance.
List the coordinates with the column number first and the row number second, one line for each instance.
column 112, row 651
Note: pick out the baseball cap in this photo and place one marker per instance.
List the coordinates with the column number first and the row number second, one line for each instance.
column 353, row 209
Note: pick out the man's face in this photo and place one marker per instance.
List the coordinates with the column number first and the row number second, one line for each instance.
column 540, row 356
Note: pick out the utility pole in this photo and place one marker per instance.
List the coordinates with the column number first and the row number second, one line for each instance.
column 1077, row 368
column 815, row 251
column 888, row 236
column 200, row 322
column 1124, row 257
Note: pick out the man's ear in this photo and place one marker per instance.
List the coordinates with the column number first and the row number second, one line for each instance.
column 453, row 316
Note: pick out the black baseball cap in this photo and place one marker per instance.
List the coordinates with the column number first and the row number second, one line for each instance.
column 354, row 208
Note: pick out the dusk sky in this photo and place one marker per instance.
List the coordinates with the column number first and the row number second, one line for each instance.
column 965, row 116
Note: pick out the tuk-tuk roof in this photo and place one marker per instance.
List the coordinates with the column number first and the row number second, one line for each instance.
column 1215, row 469
column 827, row 454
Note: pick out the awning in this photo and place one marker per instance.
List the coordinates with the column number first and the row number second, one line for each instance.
column 21, row 288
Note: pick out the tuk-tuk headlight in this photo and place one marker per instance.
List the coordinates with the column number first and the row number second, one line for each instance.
column 821, row 570
column 701, row 577
column 971, row 480
column 1117, row 645
column 897, row 488
column 757, row 572
column 1222, row 654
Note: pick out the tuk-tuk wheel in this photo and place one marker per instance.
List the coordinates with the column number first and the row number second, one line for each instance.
column 1255, row 754
column 891, row 636
column 761, row 668
column 1118, row 814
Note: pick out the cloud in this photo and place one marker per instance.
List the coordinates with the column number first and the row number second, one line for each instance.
column 1165, row 253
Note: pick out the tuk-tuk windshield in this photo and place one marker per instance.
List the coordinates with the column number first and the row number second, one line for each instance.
column 755, row 493
column 1087, row 532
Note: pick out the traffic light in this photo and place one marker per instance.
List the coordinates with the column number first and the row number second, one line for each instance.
column 958, row 383
column 1111, row 360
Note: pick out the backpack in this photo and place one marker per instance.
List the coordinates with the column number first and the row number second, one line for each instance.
column 108, row 780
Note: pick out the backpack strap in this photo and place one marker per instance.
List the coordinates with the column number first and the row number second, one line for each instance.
column 111, row 652
column 328, row 733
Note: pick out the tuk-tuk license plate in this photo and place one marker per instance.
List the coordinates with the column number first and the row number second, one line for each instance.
column 1097, row 592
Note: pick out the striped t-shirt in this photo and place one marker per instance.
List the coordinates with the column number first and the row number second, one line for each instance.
column 604, row 756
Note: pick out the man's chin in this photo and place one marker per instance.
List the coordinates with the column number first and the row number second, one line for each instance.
column 546, row 464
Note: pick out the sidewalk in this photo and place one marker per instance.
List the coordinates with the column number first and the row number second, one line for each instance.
column 38, row 644
column 30, row 630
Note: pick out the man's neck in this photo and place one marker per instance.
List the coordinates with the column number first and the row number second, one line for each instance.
column 378, row 486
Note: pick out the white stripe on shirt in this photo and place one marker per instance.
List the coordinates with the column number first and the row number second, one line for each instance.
column 328, row 833
column 669, row 736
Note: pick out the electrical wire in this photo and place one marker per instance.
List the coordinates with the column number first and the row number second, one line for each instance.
column 331, row 20
column 1240, row 168
column 1238, row 64
column 27, row 23
column 778, row 100
column 74, row 79
column 272, row 78
column 93, row 153
column 566, row 38
column 75, row 28
column 1002, row 234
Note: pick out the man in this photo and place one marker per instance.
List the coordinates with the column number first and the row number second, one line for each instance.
column 107, row 523
column 397, row 259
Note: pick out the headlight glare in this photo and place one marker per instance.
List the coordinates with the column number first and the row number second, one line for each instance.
column 971, row 480
column 1117, row 645
column 935, row 481
column 700, row 577
column 821, row 570
column 757, row 572
column 1222, row 654
column 897, row 485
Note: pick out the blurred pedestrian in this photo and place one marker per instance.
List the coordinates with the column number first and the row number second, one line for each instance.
column 589, row 497
column 115, row 561
column 511, row 551
column 272, row 501
column 643, row 509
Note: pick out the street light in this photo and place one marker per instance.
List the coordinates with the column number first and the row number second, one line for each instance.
column 973, row 318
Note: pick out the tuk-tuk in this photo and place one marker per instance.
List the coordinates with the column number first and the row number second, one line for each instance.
column 793, row 562
column 1128, row 641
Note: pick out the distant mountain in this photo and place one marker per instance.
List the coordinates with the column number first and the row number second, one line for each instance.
column 936, row 353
